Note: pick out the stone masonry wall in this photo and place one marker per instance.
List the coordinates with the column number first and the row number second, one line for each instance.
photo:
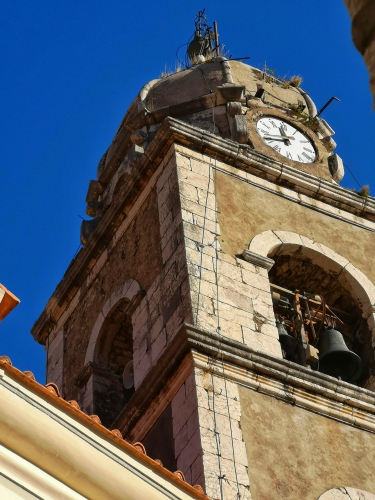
column 187, row 432
column 55, row 360
column 167, row 304
column 362, row 13
column 132, row 257
column 202, row 285
column 224, row 456
column 229, row 295
column 209, row 446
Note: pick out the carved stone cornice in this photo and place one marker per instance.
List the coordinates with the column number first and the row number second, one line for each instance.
column 246, row 158
column 276, row 377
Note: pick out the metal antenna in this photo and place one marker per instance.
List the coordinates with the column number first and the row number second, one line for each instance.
column 216, row 39
column 327, row 104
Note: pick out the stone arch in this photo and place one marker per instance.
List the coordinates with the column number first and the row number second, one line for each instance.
column 346, row 493
column 127, row 292
column 109, row 349
column 267, row 242
column 273, row 244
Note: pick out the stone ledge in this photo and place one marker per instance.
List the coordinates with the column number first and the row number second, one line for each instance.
column 244, row 157
column 306, row 384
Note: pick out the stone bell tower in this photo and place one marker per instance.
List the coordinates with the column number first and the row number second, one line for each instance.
column 222, row 254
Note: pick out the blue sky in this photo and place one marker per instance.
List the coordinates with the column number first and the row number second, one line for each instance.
column 71, row 69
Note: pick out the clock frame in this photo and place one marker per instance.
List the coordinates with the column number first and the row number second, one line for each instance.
column 319, row 167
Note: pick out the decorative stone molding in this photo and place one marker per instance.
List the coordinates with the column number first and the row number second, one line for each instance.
column 234, row 108
column 240, row 130
column 232, row 93
column 336, row 165
column 277, row 377
column 258, row 260
column 246, row 158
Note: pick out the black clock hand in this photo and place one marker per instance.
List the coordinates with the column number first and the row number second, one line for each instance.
column 285, row 138
column 278, row 137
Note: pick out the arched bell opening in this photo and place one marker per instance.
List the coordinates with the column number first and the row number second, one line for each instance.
column 323, row 285
column 113, row 383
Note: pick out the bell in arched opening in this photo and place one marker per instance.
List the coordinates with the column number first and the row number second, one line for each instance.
column 336, row 359
column 287, row 342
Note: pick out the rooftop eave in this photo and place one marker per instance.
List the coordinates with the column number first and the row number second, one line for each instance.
column 58, row 434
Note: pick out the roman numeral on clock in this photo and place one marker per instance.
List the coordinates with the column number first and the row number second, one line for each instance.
column 277, row 148
column 307, row 156
column 288, row 155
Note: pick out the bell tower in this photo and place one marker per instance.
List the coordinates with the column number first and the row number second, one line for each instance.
column 221, row 310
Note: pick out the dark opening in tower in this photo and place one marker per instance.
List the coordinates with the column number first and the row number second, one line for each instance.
column 314, row 302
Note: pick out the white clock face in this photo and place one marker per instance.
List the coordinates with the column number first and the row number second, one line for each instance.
column 286, row 139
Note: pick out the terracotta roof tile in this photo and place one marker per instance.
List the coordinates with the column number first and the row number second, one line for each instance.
column 140, row 447
column 29, row 374
column 74, row 403
column 96, row 419
column 116, row 433
column 51, row 391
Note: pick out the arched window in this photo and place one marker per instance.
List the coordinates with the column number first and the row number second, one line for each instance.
column 113, row 352
column 321, row 300
column 109, row 355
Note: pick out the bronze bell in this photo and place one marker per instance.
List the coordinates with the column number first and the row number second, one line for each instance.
column 288, row 344
column 336, row 359
column 199, row 46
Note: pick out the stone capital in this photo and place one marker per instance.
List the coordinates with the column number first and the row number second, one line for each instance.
column 257, row 259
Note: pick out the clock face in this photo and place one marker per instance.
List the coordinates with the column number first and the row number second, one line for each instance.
column 286, row 139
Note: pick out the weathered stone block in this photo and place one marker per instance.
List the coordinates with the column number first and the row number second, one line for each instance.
column 255, row 280
column 197, row 209
column 261, row 342
column 189, row 453
column 158, row 346
column 229, row 270
column 263, row 244
column 235, row 299
column 197, row 180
